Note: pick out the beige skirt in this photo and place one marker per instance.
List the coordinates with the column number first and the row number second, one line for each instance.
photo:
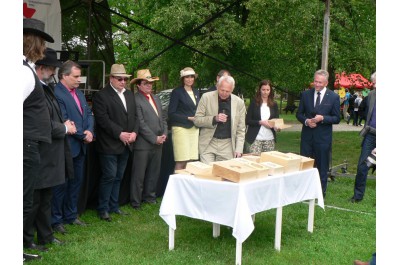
column 185, row 143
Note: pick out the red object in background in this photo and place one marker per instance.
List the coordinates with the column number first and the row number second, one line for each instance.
column 27, row 11
column 356, row 81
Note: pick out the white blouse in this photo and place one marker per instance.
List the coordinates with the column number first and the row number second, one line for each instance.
column 264, row 133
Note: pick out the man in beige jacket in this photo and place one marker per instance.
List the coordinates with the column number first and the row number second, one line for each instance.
column 221, row 116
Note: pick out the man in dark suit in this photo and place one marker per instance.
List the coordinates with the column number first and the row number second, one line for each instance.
column 36, row 120
column 153, row 131
column 74, row 108
column 319, row 108
column 55, row 159
column 115, row 109
column 367, row 145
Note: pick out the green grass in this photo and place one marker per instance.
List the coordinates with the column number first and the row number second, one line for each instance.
column 341, row 234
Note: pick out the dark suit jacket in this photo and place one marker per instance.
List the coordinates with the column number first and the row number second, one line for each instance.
column 253, row 116
column 112, row 119
column 55, row 158
column 151, row 125
column 70, row 111
column 329, row 108
column 181, row 107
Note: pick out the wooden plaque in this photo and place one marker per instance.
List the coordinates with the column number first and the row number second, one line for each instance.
column 198, row 167
column 289, row 163
column 306, row 162
column 262, row 170
column 234, row 171
column 274, row 169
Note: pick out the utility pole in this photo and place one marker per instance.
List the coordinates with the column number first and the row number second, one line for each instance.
column 325, row 40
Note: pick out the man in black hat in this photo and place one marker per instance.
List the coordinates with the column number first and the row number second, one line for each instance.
column 36, row 120
column 55, row 159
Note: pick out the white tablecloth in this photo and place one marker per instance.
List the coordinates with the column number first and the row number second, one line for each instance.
column 233, row 204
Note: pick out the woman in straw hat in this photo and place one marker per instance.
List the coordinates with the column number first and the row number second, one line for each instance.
column 181, row 111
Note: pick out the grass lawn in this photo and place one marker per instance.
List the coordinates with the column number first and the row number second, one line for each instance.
column 342, row 232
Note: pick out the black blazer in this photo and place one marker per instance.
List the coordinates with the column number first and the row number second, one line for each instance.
column 253, row 116
column 55, row 159
column 112, row 119
column 181, row 107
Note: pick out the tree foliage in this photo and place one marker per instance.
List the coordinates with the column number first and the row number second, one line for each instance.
column 253, row 39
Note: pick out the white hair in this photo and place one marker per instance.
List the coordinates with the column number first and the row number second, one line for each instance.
column 228, row 79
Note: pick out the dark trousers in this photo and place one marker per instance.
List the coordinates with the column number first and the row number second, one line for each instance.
column 368, row 144
column 355, row 120
column 40, row 218
column 112, row 172
column 64, row 209
column 31, row 165
column 145, row 173
column 321, row 154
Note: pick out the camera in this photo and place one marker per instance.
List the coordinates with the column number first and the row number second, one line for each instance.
column 371, row 160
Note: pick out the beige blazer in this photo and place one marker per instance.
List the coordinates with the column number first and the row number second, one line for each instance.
column 208, row 109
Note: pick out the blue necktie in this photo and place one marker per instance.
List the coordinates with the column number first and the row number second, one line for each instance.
column 318, row 99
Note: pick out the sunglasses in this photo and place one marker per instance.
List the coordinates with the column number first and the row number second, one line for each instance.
column 122, row 78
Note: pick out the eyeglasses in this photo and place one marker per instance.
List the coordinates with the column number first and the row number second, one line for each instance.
column 121, row 78
column 147, row 83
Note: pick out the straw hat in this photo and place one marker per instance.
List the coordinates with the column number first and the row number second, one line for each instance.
column 118, row 70
column 144, row 74
column 35, row 26
column 188, row 71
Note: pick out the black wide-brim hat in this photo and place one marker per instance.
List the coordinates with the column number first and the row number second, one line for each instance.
column 50, row 59
column 35, row 26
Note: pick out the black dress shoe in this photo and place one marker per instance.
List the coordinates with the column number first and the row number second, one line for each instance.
column 151, row 202
column 105, row 216
column 79, row 222
column 28, row 257
column 33, row 246
column 57, row 241
column 135, row 207
column 60, row 229
column 54, row 241
column 120, row 212
column 354, row 200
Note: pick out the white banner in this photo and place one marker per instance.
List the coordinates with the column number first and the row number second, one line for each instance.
column 48, row 11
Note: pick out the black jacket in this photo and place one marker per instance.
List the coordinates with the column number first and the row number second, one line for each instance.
column 181, row 107
column 253, row 116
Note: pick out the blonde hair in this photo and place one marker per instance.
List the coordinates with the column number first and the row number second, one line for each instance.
column 34, row 47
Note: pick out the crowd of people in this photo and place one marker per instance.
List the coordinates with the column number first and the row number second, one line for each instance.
column 59, row 125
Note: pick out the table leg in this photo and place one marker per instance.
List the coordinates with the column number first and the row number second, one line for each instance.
column 238, row 253
column 171, row 238
column 216, row 230
column 278, row 228
column 311, row 207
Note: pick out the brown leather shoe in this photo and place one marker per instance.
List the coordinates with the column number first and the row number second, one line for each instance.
column 359, row 262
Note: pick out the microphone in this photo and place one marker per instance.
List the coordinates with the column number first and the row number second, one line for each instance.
column 223, row 106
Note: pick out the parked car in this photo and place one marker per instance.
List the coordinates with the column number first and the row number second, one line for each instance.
column 164, row 98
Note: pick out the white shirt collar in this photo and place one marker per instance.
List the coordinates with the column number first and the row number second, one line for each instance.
column 122, row 92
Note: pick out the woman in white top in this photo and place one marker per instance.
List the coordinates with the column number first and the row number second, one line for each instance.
column 261, row 134
column 357, row 103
